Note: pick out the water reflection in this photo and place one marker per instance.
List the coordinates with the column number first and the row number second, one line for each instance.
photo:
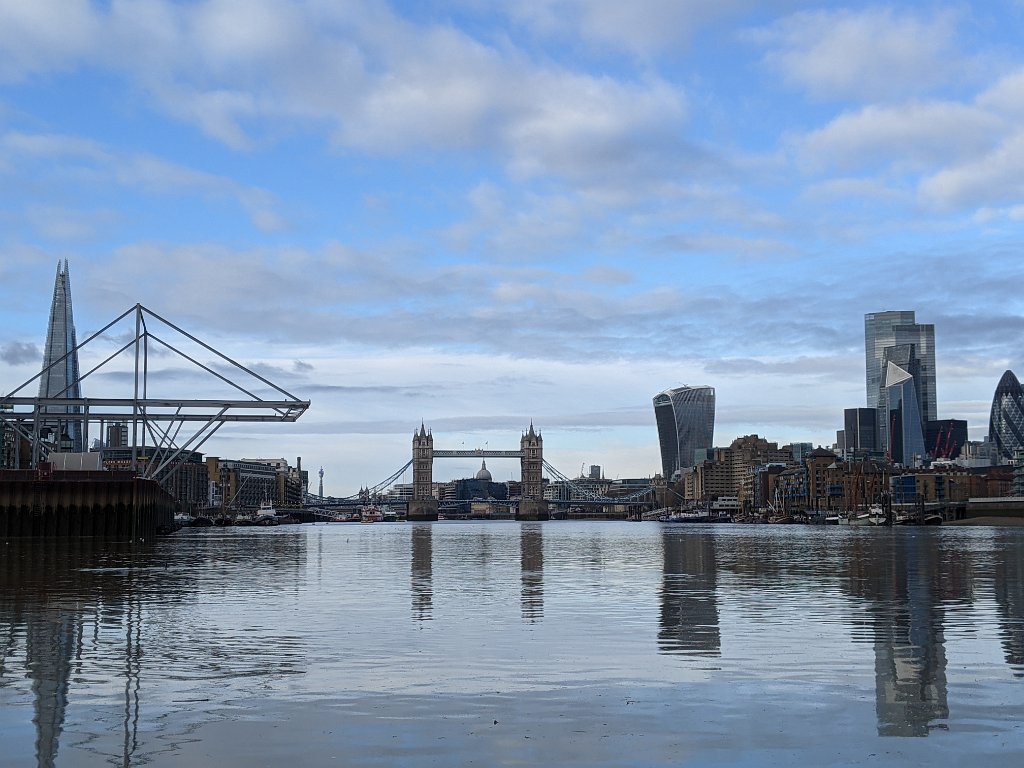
column 81, row 617
column 910, row 651
column 1009, row 589
column 120, row 656
column 61, row 597
column 422, row 571
column 689, row 606
column 531, row 555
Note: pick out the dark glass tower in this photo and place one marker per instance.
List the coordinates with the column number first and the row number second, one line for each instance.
column 1006, row 422
column 686, row 423
column 60, row 374
column 860, row 426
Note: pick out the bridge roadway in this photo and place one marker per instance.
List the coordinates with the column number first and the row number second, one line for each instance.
column 478, row 453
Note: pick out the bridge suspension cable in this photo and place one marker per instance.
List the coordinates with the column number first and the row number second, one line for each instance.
column 591, row 495
column 382, row 485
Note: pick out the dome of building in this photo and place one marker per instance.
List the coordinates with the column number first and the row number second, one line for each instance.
column 484, row 473
column 1006, row 422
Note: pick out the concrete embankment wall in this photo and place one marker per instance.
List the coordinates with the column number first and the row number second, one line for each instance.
column 1007, row 510
column 73, row 504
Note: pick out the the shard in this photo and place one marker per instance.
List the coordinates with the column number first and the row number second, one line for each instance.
column 60, row 376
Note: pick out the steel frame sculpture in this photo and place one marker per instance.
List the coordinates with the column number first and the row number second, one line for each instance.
column 156, row 422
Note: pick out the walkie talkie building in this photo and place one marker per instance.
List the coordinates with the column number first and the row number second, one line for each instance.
column 686, row 423
column 60, row 368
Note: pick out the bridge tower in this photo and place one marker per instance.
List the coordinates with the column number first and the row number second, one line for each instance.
column 423, row 505
column 532, row 505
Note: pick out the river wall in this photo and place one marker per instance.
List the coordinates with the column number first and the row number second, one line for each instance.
column 75, row 504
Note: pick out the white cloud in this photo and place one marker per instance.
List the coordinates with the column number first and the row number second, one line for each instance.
column 45, row 35
column 138, row 171
column 372, row 80
column 915, row 136
column 951, row 155
column 871, row 54
column 995, row 177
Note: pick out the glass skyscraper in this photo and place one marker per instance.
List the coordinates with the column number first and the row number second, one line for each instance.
column 686, row 423
column 1006, row 422
column 904, row 423
column 883, row 331
column 60, row 374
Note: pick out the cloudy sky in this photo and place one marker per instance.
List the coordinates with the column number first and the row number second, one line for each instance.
column 479, row 214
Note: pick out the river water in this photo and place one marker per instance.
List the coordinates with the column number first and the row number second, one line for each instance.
column 508, row 644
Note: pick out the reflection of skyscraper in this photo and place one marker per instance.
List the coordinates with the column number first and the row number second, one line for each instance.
column 60, row 366
column 883, row 330
column 422, row 571
column 1009, row 589
column 531, row 554
column 689, row 605
column 50, row 641
column 686, row 423
column 1006, row 421
column 905, row 583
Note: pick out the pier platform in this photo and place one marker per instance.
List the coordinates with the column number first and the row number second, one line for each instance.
column 75, row 504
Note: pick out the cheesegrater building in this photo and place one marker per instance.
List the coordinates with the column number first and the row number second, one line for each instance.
column 60, row 370
column 685, row 417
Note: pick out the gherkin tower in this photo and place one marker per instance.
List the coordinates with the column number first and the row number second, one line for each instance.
column 1006, row 421
column 60, row 374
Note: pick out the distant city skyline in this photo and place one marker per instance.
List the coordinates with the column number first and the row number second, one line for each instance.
column 479, row 215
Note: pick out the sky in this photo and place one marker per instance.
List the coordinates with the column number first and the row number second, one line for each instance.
column 477, row 215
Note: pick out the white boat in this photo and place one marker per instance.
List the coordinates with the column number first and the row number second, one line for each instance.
column 266, row 514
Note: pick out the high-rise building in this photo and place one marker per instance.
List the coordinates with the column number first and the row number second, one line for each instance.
column 685, row 417
column 1006, row 422
column 860, row 429
column 904, row 426
column 117, row 436
column 60, row 374
column 883, row 331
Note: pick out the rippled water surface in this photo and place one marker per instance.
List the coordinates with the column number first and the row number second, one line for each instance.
column 559, row 643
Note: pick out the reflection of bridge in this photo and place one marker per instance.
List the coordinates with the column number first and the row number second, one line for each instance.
column 531, row 503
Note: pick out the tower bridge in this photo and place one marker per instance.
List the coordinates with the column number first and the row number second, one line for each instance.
column 576, row 498
column 532, row 506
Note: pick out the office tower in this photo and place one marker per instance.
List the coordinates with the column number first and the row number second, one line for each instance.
column 685, row 417
column 904, row 427
column 117, row 435
column 884, row 330
column 1006, row 422
column 860, row 429
column 60, row 374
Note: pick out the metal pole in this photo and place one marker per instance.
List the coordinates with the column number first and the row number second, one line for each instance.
column 135, row 397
